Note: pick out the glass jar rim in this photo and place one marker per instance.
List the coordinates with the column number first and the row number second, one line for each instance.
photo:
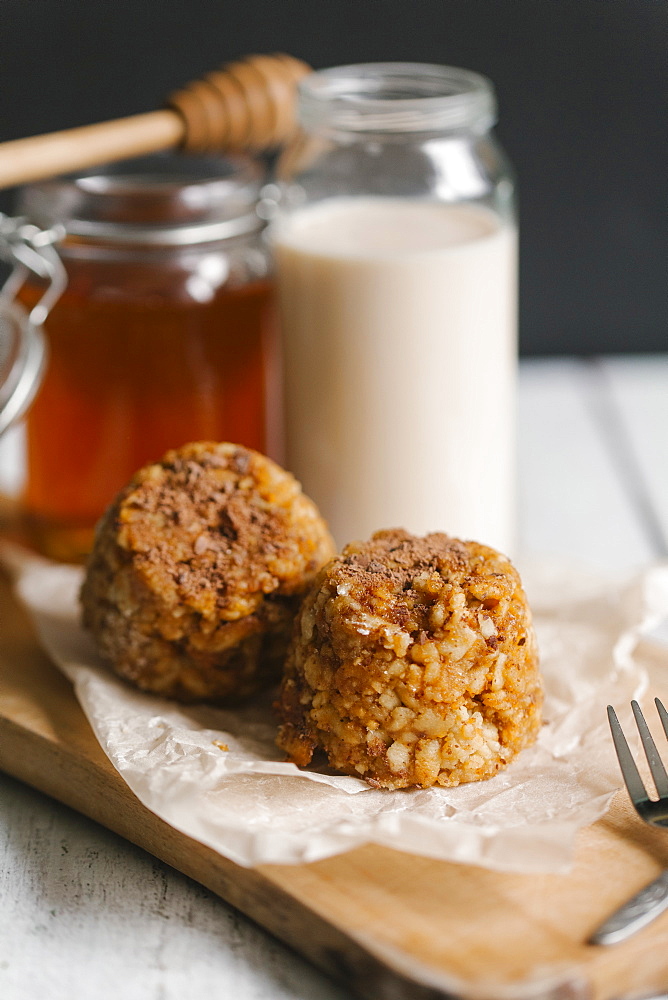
column 164, row 200
column 396, row 97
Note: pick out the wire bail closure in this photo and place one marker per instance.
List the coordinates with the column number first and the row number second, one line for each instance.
column 23, row 350
column 31, row 250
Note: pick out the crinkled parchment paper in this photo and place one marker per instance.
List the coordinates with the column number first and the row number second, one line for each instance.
column 217, row 776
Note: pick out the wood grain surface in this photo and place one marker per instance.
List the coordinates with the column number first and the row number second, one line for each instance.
column 384, row 923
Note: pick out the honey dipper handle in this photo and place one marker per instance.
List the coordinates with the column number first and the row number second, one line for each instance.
column 248, row 105
column 41, row 156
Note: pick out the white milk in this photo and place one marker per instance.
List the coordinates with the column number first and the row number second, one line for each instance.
column 399, row 325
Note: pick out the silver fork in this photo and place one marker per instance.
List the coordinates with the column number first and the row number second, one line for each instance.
column 653, row 899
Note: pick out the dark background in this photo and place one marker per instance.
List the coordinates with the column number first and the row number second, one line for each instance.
column 581, row 87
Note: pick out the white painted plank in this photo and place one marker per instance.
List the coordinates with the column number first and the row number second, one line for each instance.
column 572, row 501
column 639, row 387
column 85, row 914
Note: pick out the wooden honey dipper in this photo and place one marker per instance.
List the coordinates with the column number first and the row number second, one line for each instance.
column 247, row 105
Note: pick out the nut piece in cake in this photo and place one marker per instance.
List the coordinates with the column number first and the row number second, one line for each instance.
column 197, row 571
column 413, row 663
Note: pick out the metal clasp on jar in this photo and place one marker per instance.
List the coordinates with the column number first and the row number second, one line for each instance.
column 29, row 249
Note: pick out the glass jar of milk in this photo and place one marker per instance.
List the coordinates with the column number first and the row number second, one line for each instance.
column 396, row 252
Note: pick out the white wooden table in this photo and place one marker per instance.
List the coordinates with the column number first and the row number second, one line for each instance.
column 84, row 914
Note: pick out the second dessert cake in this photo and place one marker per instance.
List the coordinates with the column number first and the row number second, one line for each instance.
column 414, row 663
column 197, row 571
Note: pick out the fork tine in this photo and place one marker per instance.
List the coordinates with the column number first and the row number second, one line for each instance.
column 663, row 715
column 659, row 775
column 630, row 773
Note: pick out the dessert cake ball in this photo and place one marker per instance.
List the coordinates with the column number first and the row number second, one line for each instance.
column 197, row 571
column 413, row 663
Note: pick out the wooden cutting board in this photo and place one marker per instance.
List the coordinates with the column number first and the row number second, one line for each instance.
column 387, row 924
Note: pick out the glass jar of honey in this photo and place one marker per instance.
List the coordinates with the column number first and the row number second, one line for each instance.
column 164, row 333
